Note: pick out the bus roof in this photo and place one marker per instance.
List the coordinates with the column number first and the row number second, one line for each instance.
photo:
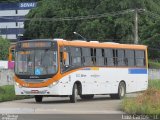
column 93, row 44
column 100, row 44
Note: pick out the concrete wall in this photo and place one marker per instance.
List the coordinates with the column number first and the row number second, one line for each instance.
column 6, row 76
column 3, row 64
column 154, row 74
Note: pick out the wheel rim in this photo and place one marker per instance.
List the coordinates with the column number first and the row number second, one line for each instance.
column 122, row 91
column 76, row 93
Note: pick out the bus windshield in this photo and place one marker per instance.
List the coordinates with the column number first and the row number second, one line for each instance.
column 36, row 62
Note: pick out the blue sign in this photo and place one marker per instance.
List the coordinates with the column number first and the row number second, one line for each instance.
column 137, row 71
column 18, row 6
column 37, row 71
column 28, row 5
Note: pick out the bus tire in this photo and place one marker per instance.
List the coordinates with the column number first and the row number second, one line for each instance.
column 73, row 97
column 86, row 97
column 121, row 91
column 38, row 98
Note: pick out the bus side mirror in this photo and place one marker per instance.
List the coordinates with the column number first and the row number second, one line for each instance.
column 65, row 55
column 10, row 57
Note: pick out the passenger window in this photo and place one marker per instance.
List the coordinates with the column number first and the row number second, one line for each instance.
column 121, row 58
column 86, row 56
column 76, row 56
column 108, row 53
column 140, row 58
column 99, row 57
column 130, row 58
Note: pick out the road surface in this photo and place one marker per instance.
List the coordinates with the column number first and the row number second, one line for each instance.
column 59, row 105
column 60, row 108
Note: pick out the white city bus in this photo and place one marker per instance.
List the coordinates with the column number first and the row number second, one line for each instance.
column 79, row 68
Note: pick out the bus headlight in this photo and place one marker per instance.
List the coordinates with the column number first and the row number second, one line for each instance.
column 17, row 84
column 53, row 84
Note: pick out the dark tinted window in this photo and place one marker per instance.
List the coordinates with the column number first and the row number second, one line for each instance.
column 75, row 56
column 99, row 57
column 108, row 53
column 86, row 56
column 140, row 58
column 130, row 59
column 121, row 57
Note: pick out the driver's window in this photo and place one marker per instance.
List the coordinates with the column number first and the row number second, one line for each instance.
column 65, row 64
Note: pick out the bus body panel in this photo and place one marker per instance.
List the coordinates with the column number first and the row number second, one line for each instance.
column 94, row 80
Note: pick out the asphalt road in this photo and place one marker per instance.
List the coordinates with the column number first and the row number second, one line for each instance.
column 100, row 108
column 59, row 105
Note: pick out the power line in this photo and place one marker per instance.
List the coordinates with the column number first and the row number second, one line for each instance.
column 75, row 18
column 123, row 12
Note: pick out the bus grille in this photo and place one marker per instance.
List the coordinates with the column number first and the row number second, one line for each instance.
column 34, row 80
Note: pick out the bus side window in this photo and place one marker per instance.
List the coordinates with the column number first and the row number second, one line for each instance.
column 115, row 57
column 130, row 61
column 86, row 54
column 93, row 55
column 99, row 57
column 76, row 56
column 140, row 58
column 108, row 53
column 121, row 57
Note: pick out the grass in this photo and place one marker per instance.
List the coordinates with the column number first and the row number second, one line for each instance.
column 154, row 84
column 147, row 103
column 7, row 93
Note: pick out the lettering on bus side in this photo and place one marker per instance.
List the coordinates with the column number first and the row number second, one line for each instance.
column 81, row 75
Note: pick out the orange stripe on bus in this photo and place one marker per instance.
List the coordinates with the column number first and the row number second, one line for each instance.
column 57, row 77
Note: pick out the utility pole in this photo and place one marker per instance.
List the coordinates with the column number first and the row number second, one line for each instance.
column 136, row 26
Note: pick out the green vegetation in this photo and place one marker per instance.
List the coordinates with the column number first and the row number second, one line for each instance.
column 50, row 20
column 7, row 93
column 4, row 46
column 146, row 103
column 154, row 84
column 154, row 64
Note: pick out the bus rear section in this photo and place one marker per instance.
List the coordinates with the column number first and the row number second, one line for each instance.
column 72, row 69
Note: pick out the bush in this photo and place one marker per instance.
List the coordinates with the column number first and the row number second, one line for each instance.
column 4, row 46
column 146, row 103
column 7, row 93
column 154, row 64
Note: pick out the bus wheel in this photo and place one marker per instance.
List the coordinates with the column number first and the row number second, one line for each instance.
column 121, row 91
column 73, row 97
column 86, row 97
column 38, row 98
